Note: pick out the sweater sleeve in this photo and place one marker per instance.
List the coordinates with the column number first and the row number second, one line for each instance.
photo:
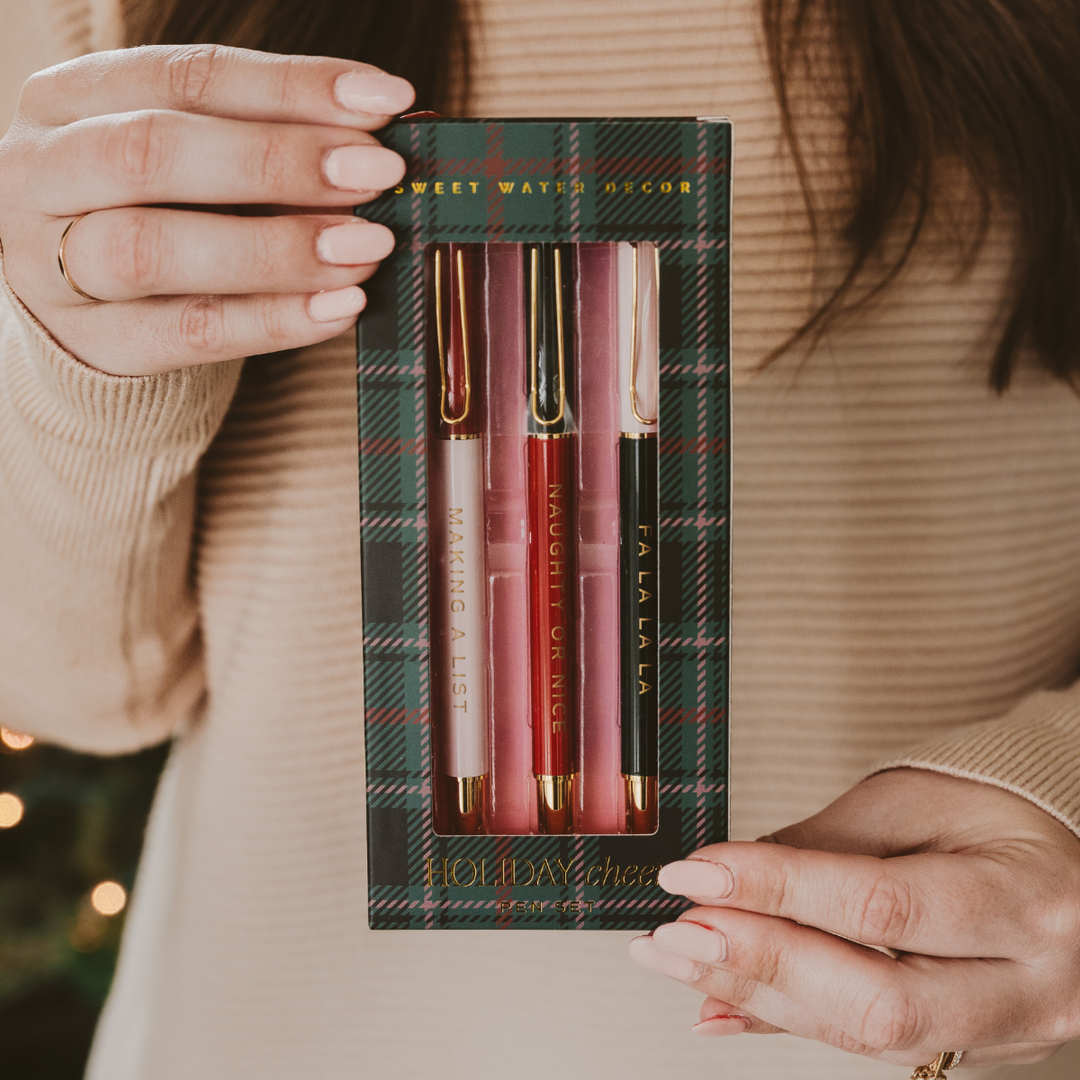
column 1033, row 751
column 99, row 626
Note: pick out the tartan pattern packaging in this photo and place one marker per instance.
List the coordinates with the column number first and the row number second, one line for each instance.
column 579, row 181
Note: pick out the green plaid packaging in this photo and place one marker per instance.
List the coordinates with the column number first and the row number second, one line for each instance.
column 663, row 180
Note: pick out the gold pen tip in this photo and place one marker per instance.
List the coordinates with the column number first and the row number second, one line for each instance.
column 642, row 803
column 465, row 797
column 555, row 804
column 468, row 793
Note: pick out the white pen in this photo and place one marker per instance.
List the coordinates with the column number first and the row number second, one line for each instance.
column 456, row 528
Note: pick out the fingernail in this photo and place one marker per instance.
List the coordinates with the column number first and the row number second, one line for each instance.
column 363, row 168
column 337, row 304
column 354, row 243
column 373, row 92
column 692, row 940
column 716, row 1026
column 697, row 877
column 644, row 951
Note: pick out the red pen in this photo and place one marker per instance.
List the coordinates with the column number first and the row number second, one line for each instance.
column 550, row 467
column 456, row 528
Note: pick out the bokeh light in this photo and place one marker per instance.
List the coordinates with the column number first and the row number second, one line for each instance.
column 11, row 810
column 15, row 740
column 108, row 898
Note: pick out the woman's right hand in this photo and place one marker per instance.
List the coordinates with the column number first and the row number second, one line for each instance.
column 148, row 143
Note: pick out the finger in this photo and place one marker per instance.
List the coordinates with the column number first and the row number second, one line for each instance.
column 719, row 1018
column 219, row 81
column 133, row 252
column 745, row 1006
column 762, row 1009
column 145, row 337
column 911, row 1004
column 792, row 1019
column 170, row 157
column 904, row 811
column 939, row 904
column 759, row 1007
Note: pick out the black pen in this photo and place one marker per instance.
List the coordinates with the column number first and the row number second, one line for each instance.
column 639, row 369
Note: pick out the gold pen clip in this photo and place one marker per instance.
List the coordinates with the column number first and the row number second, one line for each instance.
column 439, row 334
column 634, row 333
column 534, row 304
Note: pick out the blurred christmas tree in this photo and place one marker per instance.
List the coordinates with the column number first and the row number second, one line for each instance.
column 71, row 829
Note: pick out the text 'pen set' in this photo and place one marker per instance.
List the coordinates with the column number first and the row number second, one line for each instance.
column 579, row 430
column 543, row 404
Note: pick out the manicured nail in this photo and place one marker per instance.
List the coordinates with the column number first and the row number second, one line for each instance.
column 692, row 940
column 363, row 168
column 716, row 1026
column 337, row 304
column 354, row 243
column 373, row 92
column 648, row 954
column 697, row 877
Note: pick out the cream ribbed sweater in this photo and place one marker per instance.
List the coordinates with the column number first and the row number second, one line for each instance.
column 906, row 568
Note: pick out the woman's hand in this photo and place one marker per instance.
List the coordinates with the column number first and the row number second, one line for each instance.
column 976, row 888
column 146, row 142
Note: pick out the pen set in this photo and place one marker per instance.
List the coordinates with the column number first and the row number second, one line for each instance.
column 567, row 481
column 543, row 399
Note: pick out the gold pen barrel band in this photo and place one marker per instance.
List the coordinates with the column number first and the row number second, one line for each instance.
column 464, row 805
column 555, row 791
column 642, row 803
column 555, row 804
column 637, row 792
column 469, row 789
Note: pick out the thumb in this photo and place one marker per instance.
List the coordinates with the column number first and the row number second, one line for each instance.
column 902, row 812
column 883, row 816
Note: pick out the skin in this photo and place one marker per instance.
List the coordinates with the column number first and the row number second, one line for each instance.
column 976, row 890
column 218, row 197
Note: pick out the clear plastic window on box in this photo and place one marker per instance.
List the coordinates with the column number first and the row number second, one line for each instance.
column 544, row 575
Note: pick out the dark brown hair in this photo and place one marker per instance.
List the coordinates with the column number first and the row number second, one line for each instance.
column 991, row 85
column 424, row 41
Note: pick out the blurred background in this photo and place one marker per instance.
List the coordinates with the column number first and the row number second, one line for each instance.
column 71, row 829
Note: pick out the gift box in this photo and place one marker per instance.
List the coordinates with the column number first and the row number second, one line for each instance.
column 544, row 488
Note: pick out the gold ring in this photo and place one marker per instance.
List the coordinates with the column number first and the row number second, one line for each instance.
column 63, row 265
column 947, row 1059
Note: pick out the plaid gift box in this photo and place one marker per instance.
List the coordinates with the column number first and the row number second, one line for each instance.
column 662, row 180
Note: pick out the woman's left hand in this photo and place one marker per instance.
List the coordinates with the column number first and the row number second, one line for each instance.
column 977, row 889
